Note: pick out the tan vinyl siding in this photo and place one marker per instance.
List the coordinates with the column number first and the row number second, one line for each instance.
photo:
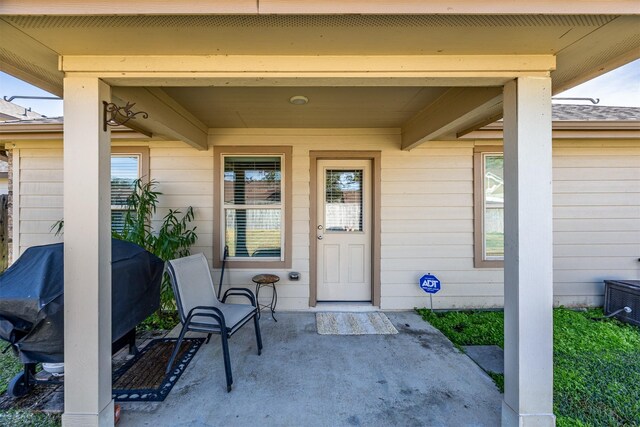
column 427, row 227
column 596, row 217
column 426, row 212
column 40, row 181
column 185, row 177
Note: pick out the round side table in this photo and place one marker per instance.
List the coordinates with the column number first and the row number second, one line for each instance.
column 270, row 280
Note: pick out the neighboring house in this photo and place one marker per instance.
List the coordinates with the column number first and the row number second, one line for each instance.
column 4, row 174
column 339, row 140
column 10, row 111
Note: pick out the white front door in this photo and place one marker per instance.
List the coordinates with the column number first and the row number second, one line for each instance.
column 343, row 233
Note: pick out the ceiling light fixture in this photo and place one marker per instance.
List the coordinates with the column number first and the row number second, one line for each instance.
column 298, row 100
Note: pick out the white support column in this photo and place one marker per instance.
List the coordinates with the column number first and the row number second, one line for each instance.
column 528, row 266
column 87, row 255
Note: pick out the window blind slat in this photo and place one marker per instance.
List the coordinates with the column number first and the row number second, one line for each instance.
column 124, row 171
column 249, row 181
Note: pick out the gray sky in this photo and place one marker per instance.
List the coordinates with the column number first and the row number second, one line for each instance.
column 620, row 87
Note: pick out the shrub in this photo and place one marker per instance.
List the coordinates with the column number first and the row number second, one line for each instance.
column 172, row 239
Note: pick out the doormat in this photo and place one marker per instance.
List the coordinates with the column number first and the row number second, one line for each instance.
column 143, row 378
column 354, row 324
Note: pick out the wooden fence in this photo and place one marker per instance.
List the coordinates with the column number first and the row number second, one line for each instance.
column 4, row 231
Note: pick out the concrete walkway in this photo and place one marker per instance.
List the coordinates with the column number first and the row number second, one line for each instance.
column 414, row 378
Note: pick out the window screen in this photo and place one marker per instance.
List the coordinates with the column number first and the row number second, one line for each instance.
column 253, row 208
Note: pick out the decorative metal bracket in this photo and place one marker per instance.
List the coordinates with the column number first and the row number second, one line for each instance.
column 116, row 116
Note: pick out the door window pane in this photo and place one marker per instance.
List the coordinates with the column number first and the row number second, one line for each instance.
column 493, row 206
column 343, row 200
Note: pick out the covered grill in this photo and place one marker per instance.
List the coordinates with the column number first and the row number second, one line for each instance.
column 32, row 299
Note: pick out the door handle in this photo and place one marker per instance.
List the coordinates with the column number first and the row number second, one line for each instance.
column 319, row 237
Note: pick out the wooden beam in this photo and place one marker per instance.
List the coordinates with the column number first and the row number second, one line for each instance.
column 378, row 7
column 448, row 7
column 360, row 79
column 454, row 111
column 438, row 65
column 166, row 117
column 126, row 7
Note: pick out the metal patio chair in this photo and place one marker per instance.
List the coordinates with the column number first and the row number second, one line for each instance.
column 201, row 310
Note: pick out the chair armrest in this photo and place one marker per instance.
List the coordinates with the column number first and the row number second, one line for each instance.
column 242, row 292
column 212, row 312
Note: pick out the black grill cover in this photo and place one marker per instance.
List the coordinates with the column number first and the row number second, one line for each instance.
column 32, row 299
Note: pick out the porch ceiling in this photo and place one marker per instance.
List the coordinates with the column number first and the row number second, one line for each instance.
column 269, row 107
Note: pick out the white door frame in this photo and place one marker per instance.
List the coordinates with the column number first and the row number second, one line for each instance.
column 375, row 158
column 347, row 277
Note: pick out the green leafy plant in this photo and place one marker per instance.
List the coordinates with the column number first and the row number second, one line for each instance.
column 169, row 239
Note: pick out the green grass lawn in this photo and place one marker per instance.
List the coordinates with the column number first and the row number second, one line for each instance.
column 9, row 367
column 596, row 363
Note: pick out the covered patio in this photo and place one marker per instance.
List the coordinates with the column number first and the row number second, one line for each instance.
column 413, row 378
column 432, row 74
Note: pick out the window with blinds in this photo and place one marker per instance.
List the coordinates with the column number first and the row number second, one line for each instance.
column 252, row 206
column 125, row 169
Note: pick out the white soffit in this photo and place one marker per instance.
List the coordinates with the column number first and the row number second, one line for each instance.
column 309, row 34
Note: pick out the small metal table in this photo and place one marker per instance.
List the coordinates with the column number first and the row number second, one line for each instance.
column 262, row 280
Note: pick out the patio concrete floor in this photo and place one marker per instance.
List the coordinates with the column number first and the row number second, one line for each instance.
column 414, row 378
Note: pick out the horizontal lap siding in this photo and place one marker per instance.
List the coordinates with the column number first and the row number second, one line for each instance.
column 426, row 213
column 41, row 192
column 596, row 218
column 185, row 178
column 427, row 227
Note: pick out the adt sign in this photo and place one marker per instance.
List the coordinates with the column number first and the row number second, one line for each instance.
column 430, row 283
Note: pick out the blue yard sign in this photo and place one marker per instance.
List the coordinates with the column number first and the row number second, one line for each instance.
column 430, row 283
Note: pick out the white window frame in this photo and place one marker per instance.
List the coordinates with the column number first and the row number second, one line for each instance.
column 285, row 260
column 224, row 207
column 481, row 260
